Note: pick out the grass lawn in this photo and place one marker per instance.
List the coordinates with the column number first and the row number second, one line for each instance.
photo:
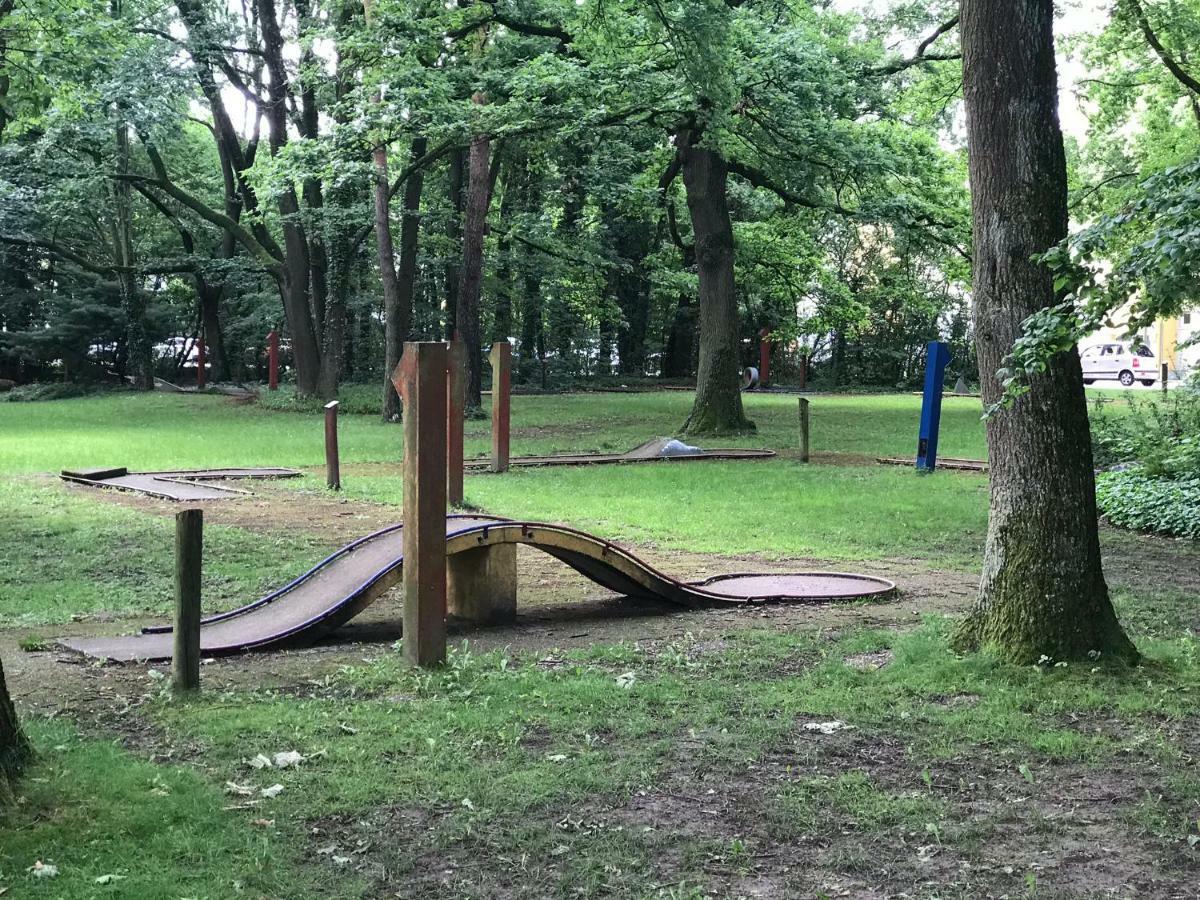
column 173, row 431
column 701, row 762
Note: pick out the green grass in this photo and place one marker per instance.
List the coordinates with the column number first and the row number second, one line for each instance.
column 65, row 555
column 171, row 430
column 774, row 508
column 529, row 774
column 499, row 751
column 117, row 826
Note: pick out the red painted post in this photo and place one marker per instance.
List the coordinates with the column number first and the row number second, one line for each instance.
column 273, row 360
column 501, row 357
column 333, row 469
column 420, row 380
column 456, row 401
column 201, row 362
column 764, row 357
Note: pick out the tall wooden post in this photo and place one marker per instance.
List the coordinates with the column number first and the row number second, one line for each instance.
column 333, row 470
column 201, row 362
column 189, row 552
column 804, row 372
column 804, row 429
column 1165, row 372
column 501, row 357
column 456, row 400
column 764, row 357
column 420, row 380
column 273, row 360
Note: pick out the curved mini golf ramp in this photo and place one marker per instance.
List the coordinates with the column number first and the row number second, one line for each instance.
column 344, row 584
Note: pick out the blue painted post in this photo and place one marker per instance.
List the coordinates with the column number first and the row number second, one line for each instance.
column 931, row 406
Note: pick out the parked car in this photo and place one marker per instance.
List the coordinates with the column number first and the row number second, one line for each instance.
column 1119, row 361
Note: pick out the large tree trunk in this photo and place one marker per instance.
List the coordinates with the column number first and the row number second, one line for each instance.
column 471, row 284
column 14, row 748
column 1043, row 592
column 718, row 405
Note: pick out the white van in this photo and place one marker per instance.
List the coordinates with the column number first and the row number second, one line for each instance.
column 1120, row 362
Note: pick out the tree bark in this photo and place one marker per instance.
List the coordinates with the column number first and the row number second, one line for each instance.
column 15, row 751
column 718, row 405
column 297, row 307
column 471, row 283
column 398, row 297
column 453, row 272
column 1043, row 592
column 133, row 300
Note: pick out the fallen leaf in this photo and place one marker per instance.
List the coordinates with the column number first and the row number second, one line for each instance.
column 341, row 860
column 556, row 757
column 626, row 680
column 239, row 790
column 260, row 762
column 109, row 879
column 263, row 823
column 827, row 727
column 273, row 791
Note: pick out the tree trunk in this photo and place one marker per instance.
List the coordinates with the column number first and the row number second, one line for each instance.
column 209, row 296
column 718, row 405
column 393, row 336
column 294, row 287
column 471, row 283
column 133, row 301
column 1043, row 592
column 453, row 274
column 14, row 748
column 400, row 316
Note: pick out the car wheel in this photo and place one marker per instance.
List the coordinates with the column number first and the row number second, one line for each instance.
column 1126, row 378
column 1089, row 381
column 1148, row 382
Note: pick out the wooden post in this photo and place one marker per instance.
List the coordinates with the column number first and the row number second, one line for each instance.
column 804, row 429
column 456, row 400
column 764, row 357
column 273, row 360
column 189, row 552
column 1165, row 373
column 201, row 362
column 804, row 372
column 501, row 357
column 333, row 471
column 481, row 584
column 420, row 380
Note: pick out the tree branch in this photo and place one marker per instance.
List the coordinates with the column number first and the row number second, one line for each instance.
column 921, row 56
column 1156, row 44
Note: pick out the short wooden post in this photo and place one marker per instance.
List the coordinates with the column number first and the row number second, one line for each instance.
column 189, row 552
column 804, row 429
column 420, row 381
column 481, row 584
column 1165, row 373
column 333, row 471
column 201, row 362
column 273, row 360
column 456, row 400
column 501, row 357
column 764, row 357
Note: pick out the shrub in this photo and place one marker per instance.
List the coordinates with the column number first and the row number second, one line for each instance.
column 1163, row 436
column 1162, row 504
